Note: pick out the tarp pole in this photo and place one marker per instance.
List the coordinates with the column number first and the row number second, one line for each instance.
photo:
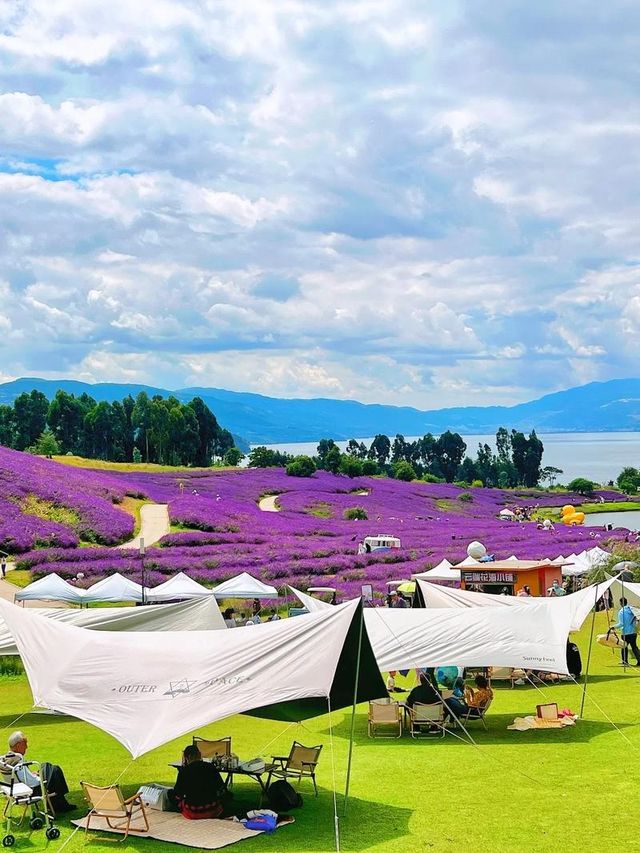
column 353, row 709
column 586, row 672
column 625, row 648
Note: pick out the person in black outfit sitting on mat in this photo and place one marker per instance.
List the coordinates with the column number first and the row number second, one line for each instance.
column 199, row 789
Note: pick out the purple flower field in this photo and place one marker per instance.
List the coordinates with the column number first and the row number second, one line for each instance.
column 307, row 543
column 91, row 495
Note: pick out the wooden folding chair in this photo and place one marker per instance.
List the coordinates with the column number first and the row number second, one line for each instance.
column 427, row 719
column 385, row 715
column 210, row 749
column 109, row 803
column 299, row 764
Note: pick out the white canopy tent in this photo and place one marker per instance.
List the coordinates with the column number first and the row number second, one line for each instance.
column 442, row 572
column 177, row 587
column 468, row 561
column 198, row 615
column 114, row 588
column 148, row 688
column 578, row 604
column 51, row 588
column 244, row 586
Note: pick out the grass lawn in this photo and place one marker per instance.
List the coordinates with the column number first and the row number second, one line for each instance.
column 571, row 790
column 144, row 467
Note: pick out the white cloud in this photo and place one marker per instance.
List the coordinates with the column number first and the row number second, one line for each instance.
column 372, row 199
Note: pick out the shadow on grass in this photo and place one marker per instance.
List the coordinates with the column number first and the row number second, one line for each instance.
column 496, row 733
column 35, row 718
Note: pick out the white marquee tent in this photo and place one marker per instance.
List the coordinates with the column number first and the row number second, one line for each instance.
column 114, row 588
column 199, row 615
column 244, row 586
column 177, row 587
column 444, row 571
column 51, row 588
column 147, row 688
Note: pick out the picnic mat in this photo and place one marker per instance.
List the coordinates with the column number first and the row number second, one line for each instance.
column 171, row 826
column 523, row 724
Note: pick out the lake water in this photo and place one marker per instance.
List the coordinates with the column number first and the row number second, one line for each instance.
column 630, row 519
column 599, row 456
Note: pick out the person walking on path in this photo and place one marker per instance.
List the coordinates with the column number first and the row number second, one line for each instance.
column 628, row 626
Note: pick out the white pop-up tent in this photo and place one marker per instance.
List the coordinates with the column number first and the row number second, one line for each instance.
column 147, row 688
column 114, row 588
column 51, row 588
column 442, row 572
column 579, row 604
column 177, row 587
column 244, row 586
column 197, row 615
column 628, row 590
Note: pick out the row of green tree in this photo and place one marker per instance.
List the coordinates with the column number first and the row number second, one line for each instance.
column 517, row 460
column 149, row 429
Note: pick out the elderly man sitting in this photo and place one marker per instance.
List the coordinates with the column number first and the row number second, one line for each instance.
column 53, row 776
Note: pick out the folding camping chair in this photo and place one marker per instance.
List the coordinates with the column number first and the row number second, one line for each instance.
column 213, row 749
column 300, row 763
column 427, row 719
column 110, row 804
column 386, row 715
column 476, row 712
column 506, row 673
column 21, row 799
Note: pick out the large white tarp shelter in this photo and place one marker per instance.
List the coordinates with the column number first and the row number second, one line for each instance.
column 244, row 586
column 114, row 588
column 630, row 591
column 199, row 615
column 522, row 636
column 51, row 588
column 313, row 605
column 579, row 604
column 147, row 688
column 179, row 586
column 532, row 636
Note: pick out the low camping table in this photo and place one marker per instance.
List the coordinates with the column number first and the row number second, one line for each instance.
column 239, row 771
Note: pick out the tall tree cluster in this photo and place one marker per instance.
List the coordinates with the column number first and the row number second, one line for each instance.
column 154, row 429
column 516, row 460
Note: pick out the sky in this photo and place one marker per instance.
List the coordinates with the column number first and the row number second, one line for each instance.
column 395, row 201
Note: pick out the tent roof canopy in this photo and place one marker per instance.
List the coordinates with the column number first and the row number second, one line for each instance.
column 244, row 586
column 51, row 588
column 178, row 586
column 147, row 688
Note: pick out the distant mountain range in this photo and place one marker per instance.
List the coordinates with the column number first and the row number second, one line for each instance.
column 597, row 407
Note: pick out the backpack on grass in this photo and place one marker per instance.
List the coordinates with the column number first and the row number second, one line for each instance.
column 282, row 796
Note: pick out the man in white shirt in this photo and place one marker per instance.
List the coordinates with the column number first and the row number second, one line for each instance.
column 56, row 784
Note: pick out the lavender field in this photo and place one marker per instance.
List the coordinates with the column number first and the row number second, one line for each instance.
column 221, row 530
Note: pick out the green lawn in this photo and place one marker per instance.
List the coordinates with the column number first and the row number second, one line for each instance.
column 572, row 790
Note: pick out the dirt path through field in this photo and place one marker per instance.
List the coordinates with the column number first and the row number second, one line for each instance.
column 268, row 504
column 154, row 524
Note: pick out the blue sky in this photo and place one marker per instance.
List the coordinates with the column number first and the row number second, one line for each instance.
column 387, row 200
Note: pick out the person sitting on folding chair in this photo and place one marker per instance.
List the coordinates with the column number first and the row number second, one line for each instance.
column 426, row 692
column 473, row 699
column 55, row 783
